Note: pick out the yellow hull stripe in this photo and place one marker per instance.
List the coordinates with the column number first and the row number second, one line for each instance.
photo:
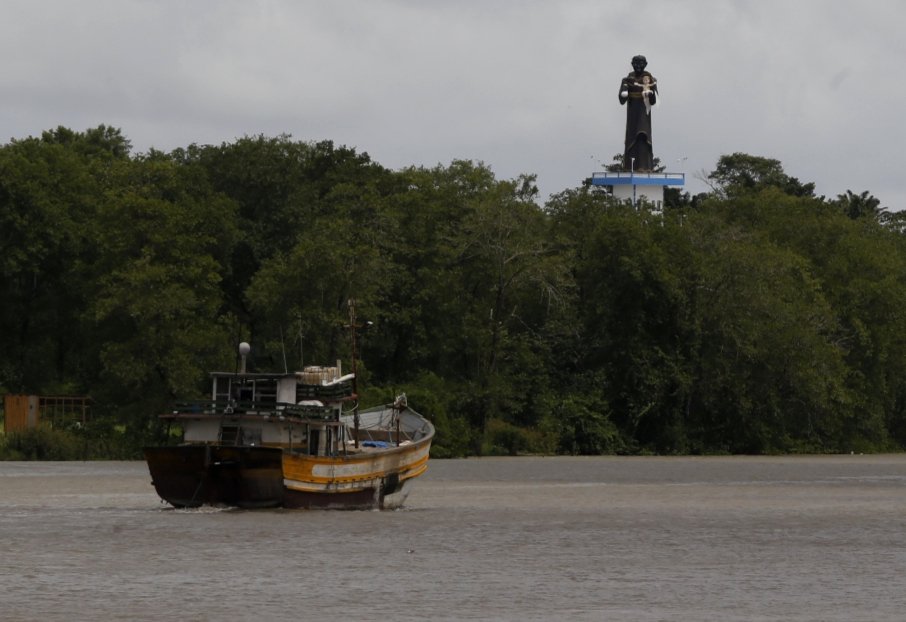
column 319, row 474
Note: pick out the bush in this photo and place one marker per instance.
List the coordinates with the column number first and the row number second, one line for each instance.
column 506, row 439
column 43, row 443
column 96, row 442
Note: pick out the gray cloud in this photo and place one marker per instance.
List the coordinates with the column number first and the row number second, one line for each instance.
column 527, row 87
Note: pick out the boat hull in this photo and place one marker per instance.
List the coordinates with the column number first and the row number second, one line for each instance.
column 377, row 480
column 195, row 475
column 261, row 477
column 371, row 473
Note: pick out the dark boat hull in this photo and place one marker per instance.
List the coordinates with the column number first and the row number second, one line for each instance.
column 367, row 499
column 390, row 494
column 195, row 475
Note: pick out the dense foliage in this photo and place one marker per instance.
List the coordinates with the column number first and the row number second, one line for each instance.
column 755, row 318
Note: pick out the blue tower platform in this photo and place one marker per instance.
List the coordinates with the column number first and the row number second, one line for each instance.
column 635, row 187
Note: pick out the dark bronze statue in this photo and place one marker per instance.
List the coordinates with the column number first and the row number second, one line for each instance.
column 638, row 91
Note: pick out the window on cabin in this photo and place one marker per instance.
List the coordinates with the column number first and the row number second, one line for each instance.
column 266, row 390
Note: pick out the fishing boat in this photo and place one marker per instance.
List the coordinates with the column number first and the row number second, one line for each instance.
column 294, row 440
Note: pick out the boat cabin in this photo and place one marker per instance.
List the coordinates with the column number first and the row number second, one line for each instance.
column 301, row 412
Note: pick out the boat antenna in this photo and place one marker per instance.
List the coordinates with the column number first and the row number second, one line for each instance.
column 352, row 331
column 283, row 349
column 301, row 352
column 355, row 376
column 352, row 327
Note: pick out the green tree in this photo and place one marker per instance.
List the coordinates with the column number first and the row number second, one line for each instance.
column 862, row 205
column 305, row 292
column 633, row 299
column 48, row 192
column 769, row 372
column 739, row 174
column 282, row 187
column 424, row 329
column 157, row 305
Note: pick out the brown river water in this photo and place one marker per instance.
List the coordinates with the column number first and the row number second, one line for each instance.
column 736, row 538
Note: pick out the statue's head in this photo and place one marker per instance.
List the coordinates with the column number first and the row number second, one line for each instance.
column 639, row 63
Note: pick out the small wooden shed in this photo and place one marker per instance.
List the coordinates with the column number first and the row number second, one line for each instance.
column 23, row 412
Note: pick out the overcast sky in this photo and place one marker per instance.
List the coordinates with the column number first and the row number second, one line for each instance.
column 526, row 87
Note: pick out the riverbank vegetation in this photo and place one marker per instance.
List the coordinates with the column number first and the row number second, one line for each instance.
column 755, row 318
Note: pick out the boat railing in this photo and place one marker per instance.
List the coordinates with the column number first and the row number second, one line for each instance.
column 423, row 430
column 383, row 427
column 226, row 408
column 337, row 390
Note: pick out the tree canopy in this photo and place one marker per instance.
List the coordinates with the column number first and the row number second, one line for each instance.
column 759, row 318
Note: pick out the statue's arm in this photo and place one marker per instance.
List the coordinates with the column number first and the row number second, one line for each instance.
column 624, row 92
column 652, row 99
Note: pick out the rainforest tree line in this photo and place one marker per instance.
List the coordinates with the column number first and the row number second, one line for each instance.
column 754, row 318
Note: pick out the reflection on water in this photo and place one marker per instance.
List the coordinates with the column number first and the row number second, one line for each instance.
column 801, row 538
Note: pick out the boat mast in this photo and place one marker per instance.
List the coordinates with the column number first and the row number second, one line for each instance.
column 355, row 375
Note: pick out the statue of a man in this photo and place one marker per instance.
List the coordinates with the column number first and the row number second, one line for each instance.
column 638, row 91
